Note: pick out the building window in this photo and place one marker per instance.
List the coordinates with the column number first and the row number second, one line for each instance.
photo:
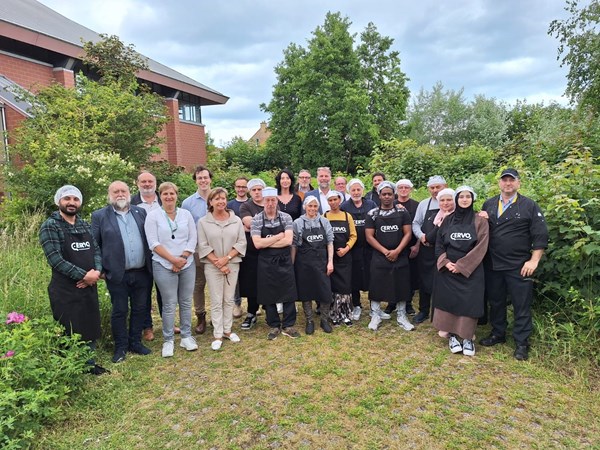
column 189, row 108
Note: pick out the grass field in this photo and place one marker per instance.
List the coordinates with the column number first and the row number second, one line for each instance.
column 351, row 389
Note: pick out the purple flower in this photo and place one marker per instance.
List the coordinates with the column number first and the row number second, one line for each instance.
column 15, row 317
column 9, row 354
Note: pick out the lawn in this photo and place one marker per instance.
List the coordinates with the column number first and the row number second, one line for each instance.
column 352, row 389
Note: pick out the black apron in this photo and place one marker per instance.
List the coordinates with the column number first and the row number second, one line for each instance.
column 311, row 266
column 361, row 253
column 453, row 292
column 341, row 278
column 382, row 270
column 76, row 309
column 276, row 280
column 248, row 269
column 426, row 257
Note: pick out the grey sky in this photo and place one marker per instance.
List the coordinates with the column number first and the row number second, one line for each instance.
column 498, row 48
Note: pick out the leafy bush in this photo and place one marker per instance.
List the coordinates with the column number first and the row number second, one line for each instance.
column 39, row 368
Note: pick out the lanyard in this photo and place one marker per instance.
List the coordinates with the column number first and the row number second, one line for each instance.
column 171, row 222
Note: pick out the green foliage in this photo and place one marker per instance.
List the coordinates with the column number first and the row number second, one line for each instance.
column 580, row 51
column 39, row 368
column 444, row 117
column 331, row 103
column 87, row 136
column 568, row 195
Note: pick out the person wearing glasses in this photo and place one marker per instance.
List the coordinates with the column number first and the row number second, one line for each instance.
column 241, row 195
column 303, row 186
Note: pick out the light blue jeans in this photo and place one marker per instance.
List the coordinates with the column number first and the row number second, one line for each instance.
column 176, row 288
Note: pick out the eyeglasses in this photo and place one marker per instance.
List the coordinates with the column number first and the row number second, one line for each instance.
column 304, row 177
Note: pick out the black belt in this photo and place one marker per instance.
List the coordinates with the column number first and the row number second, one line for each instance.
column 140, row 269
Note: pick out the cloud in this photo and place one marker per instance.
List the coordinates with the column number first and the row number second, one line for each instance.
column 511, row 68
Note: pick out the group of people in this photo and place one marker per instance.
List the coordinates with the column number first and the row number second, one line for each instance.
column 291, row 243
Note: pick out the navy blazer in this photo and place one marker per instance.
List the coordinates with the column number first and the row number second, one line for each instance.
column 108, row 236
column 314, row 193
column 137, row 199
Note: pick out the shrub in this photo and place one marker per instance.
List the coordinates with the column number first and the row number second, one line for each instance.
column 39, row 368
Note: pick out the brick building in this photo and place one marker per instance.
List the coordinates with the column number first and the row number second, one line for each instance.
column 39, row 47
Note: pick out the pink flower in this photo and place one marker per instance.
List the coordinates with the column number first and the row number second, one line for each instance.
column 15, row 317
column 9, row 354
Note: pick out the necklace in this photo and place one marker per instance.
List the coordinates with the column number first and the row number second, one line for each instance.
column 172, row 223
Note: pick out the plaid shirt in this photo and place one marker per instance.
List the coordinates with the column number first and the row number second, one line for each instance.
column 52, row 237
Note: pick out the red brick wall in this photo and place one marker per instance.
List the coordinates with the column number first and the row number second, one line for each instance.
column 191, row 145
column 65, row 77
column 13, row 120
column 27, row 74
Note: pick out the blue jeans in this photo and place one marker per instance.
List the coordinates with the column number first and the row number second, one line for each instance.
column 176, row 288
column 128, row 297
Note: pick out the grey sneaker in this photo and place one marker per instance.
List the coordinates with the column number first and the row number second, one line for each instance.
column 356, row 312
column 454, row 344
column 403, row 321
column 290, row 332
column 374, row 323
column 189, row 343
column 468, row 347
column 273, row 334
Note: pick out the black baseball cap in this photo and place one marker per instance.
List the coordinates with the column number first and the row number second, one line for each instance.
column 510, row 173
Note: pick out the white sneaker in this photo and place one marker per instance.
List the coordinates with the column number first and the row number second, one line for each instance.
column 356, row 312
column 232, row 337
column 374, row 323
column 189, row 343
column 454, row 345
column 216, row 344
column 381, row 313
column 279, row 308
column 167, row 349
column 468, row 347
column 403, row 321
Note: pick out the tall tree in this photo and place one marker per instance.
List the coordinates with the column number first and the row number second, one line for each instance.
column 321, row 113
column 579, row 49
column 384, row 80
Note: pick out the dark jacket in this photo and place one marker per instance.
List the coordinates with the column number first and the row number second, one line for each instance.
column 137, row 199
column 521, row 229
column 107, row 234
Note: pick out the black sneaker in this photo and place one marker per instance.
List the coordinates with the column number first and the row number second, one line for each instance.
column 421, row 317
column 139, row 349
column 119, row 356
column 410, row 310
column 97, row 370
column 249, row 322
column 390, row 308
column 325, row 326
column 310, row 327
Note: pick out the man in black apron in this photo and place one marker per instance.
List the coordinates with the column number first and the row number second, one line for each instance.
column 272, row 234
column 76, row 263
column 425, row 231
column 388, row 231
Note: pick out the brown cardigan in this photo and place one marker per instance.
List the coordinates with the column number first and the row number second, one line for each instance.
column 468, row 263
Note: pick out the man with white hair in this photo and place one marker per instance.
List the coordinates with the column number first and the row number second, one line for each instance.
column 324, row 180
column 126, row 265
column 76, row 264
column 421, row 225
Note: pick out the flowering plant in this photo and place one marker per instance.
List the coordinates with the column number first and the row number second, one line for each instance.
column 39, row 368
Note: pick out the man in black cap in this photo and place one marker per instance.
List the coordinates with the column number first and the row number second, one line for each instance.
column 518, row 237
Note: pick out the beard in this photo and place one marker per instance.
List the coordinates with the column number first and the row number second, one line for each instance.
column 121, row 205
column 147, row 191
column 69, row 210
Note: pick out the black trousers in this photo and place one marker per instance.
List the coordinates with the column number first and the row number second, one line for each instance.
column 499, row 284
column 274, row 319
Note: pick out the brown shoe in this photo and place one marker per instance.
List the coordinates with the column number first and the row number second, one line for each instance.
column 201, row 327
column 148, row 334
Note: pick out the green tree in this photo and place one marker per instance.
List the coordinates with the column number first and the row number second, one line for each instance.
column 321, row 113
column 384, row 80
column 580, row 51
column 87, row 136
